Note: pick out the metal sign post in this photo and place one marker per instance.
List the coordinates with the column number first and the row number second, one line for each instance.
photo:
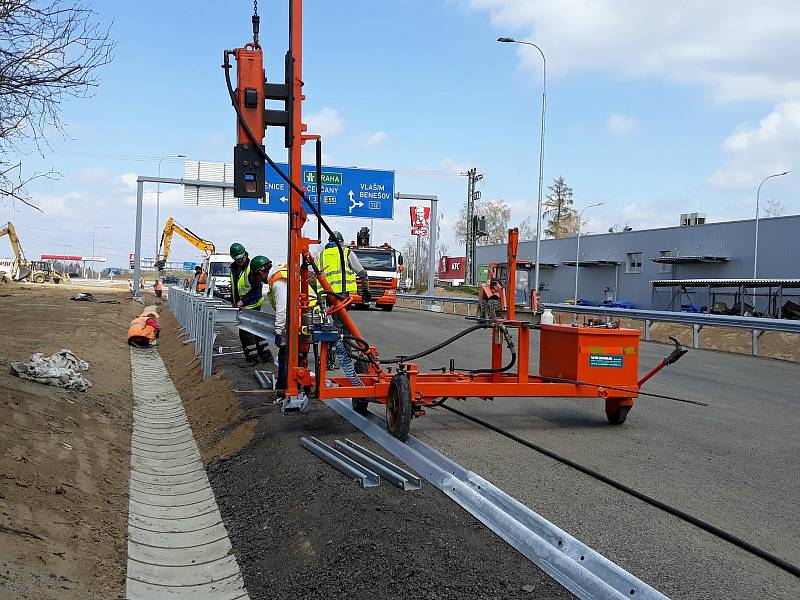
column 434, row 200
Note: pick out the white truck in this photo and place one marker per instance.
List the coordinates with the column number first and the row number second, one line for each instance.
column 218, row 271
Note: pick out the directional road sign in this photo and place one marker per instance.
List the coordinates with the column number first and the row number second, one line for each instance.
column 346, row 192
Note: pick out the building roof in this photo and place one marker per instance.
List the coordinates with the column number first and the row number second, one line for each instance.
column 688, row 260
column 748, row 283
column 591, row 263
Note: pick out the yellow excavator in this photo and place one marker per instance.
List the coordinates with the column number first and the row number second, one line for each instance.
column 22, row 269
column 171, row 227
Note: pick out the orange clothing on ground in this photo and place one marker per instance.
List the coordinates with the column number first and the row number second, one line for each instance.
column 144, row 329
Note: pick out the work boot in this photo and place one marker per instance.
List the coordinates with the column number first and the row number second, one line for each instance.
column 266, row 356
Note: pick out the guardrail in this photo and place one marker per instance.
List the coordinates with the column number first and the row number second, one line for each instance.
column 200, row 316
column 756, row 325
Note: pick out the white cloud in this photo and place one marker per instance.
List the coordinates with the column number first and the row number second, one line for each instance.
column 375, row 139
column 759, row 150
column 619, row 124
column 736, row 48
column 327, row 122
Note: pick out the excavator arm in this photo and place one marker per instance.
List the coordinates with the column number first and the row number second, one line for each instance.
column 21, row 268
column 171, row 227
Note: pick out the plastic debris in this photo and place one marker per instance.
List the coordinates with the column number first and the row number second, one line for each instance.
column 62, row 369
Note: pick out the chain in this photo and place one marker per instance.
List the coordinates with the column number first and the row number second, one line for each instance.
column 256, row 23
column 255, row 7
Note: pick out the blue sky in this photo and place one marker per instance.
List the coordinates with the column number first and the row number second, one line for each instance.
column 651, row 110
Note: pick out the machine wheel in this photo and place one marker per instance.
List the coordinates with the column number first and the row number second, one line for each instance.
column 616, row 414
column 361, row 405
column 398, row 407
column 387, row 307
column 38, row 278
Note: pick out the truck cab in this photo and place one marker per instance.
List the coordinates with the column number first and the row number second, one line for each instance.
column 383, row 265
column 218, row 271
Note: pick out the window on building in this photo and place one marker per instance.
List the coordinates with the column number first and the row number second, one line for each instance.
column 634, row 264
column 665, row 267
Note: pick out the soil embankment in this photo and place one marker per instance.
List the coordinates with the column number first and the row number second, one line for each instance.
column 64, row 455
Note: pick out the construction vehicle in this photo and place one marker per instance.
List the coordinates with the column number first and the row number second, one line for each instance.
column 20, row 267
column 578, row 362
column 524, row 297
column 170, row 228
column 216, row 266
column 384, row 265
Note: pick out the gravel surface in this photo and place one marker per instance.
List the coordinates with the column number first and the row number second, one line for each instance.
column 301, row 529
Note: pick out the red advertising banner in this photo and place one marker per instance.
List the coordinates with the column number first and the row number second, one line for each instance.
column 420, row 220
column 451, row 267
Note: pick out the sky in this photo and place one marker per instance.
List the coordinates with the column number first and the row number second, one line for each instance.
column 654, row 108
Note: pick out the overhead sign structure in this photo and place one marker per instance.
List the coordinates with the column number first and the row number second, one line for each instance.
column 189, row 266
column 420, row 220
column 346, row 192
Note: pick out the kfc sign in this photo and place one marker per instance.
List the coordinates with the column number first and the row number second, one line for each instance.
column 420, row 220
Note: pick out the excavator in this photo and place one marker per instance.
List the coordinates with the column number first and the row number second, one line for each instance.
column 171, row 227
column 22, row 269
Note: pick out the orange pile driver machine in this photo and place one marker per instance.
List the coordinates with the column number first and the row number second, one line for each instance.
column 575, row 361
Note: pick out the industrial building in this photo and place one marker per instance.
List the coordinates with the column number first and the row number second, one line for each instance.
column 672, row 267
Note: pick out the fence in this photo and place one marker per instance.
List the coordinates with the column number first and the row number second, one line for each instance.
column 756, row 325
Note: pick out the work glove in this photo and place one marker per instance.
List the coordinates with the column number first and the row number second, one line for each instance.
column 365, row 295
column 279, row 340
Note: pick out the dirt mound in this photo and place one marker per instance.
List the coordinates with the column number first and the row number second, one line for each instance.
column 220, row 426
column 64, row 455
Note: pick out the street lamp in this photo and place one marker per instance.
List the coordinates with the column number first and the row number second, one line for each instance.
column 578, row 253
column 541, row 150
column 158, row 198
column 94, row 232
column 755, row 252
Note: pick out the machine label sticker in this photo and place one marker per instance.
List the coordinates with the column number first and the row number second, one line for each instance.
column 613, row 361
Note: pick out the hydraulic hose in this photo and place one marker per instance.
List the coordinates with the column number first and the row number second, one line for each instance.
column 676, row 512
column 439, row 346
column 619, row 389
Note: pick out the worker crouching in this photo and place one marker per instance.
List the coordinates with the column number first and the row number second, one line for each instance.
column 144, row 329
column 247, row 292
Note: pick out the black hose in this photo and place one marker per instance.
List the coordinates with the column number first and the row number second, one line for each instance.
column 439, row 346
column 508, row 367
column 676, row 512
column 619, row 389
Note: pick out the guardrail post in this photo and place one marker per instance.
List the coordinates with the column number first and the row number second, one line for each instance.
column 756, row 333
column 647, row 330
column 696, row 335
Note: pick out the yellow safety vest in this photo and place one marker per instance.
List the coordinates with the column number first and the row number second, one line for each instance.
column 283, row 273
column 243, row 287
column 332, row 269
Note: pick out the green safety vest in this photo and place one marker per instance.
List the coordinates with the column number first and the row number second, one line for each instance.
column 243, row 287
column 332, row 269
column 283, row 273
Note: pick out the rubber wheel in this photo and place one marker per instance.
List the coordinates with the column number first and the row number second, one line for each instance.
column 39, row 278
column 398, row 407
column 616, row 414
column 361, row 405
column 387, row 307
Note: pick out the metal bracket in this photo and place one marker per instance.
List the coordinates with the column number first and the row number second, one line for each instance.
column 374, row 462
column 341, row 462
column 295, row 403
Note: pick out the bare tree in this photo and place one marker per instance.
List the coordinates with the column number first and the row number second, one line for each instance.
column 527, row 230
column 562, row 220
column 50, row 50
column 497, row 214
column 774, row 208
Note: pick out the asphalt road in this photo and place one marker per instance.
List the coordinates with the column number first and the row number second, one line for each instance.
column 733, row 463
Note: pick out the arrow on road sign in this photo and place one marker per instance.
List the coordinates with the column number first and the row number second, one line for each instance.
column 353, row 202
column 284, row 199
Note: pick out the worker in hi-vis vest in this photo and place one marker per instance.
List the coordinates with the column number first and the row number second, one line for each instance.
column 330, row 263
column 246, row 292
column 277, row 297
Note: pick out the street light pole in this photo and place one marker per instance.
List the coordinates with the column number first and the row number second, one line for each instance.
column 578, row 253
column 755, row 251
column 158, row 200
column 541, row 151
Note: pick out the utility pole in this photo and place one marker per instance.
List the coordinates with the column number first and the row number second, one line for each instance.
column 470, row 268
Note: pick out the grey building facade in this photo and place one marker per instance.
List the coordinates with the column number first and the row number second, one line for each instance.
column 619, row 265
